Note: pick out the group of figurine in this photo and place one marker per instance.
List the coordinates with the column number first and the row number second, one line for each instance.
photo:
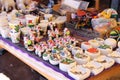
column 82, row 19
column 36, row 35
column 8, row 5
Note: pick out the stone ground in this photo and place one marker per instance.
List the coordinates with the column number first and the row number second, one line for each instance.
column 16, row 69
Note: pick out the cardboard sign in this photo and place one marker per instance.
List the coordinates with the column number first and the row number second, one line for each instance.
column 76, row 4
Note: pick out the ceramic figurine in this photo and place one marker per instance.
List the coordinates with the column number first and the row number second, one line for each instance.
column 100, row 40
column 51, row 3
column 15, row 32
column 30, row 24
column 44, row 45
column 25, row 39
column 76, row 49
column 12, row 15
column 115, row 33
column 51, row 43
column 7, row 4
column 4, row 32
column 66, row 32
column 66, row 64
column 3, row 23
column 111, row 42
column 105, row 49
column 57, row 32
column 81, row 58
column 39, row 50
column 32, row 6
column 50, row 26
column 15, row 36
column 93, row 52
column 30, row 46
column 24, row 2
column 39, row 30
column 27, row 2
column 51, row 34
column 46, row 55
column 94, row 43
column 21, row 6
column 54, row 59
column 48, row 17
column 109, row 13
column 65, row 53
column 33, row 36
column 31, row 20
column 86, row 45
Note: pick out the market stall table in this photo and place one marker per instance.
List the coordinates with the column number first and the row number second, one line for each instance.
column 45, row 68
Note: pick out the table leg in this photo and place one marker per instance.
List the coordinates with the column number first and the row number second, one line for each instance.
column 97, row 4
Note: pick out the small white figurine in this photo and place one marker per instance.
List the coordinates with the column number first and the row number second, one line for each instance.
column 66, row 32
column 57, row 32
column 20, row 4
column 25, row 2
column 7, row 4
column 32, row 5
column 51, row 34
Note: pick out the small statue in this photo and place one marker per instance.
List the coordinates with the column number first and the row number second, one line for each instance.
column 66, row 32
column 57, row 32
column 51, row 34
column 7, row 4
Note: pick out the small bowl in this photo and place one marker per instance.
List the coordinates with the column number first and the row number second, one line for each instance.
column 76, row 49
column 53, row 60
column 95, row 52
column 85, row 45
column 94, row 43
column 66, row 63
column 111, row 42
column 46, row 56
column 105, row 49
column 81, row 58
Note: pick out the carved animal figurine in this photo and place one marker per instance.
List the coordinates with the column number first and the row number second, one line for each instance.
column 25, row 2
column 7, row 4
column 32, row 5
column 21, row 6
